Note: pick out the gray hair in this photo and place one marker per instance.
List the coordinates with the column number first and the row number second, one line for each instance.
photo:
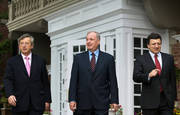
column 25, row 36
column 97, row 34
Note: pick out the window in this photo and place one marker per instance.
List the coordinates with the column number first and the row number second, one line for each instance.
column 140, row 47
column 78, row 49
column 61, row 83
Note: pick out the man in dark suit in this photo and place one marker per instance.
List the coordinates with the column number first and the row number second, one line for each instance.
column 155, row 70
column 93, row 84
column 26, row 81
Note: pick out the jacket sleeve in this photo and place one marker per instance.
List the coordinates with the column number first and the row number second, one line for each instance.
column 173, row 79
column 139, row 74
column 73, row 80
column 113, row 81
column 8, row 79
column 46, row 83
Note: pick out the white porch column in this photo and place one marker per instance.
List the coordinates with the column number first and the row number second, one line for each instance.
column 124, row 66
column 54, row 82
column 165, row 41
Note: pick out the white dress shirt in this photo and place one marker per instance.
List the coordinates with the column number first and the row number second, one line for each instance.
column 29, row 56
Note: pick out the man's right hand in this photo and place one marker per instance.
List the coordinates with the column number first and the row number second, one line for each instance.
column 12, row 100
column 73, row 105
column 153, row 73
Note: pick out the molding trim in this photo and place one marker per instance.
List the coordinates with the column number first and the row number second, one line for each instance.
column 38, row 14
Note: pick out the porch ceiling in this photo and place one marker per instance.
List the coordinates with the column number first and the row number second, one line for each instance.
column 40, row 26
column 164, row 13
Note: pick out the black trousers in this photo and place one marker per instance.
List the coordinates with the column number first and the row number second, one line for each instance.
column 163, row 108
column 91, row 112
column 30, row 111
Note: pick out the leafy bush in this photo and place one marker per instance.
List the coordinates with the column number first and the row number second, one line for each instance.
column 5, row 46
column 1, row 35
column 177, row 73
column 4, row 15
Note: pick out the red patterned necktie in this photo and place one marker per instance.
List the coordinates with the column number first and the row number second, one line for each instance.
column 93, row 62
column 158, row 66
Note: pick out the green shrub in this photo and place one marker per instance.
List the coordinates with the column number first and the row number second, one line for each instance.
column 177, row 73
column 4, row 15
column 1, row 35
column 5, row 48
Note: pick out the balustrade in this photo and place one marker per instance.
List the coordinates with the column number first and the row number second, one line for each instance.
column 21, row 7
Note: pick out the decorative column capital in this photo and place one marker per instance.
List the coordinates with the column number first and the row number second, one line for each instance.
column 177, row 37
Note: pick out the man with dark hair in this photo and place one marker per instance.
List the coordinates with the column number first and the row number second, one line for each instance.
column 155, row 70
column 93, row 84
column 26, row 81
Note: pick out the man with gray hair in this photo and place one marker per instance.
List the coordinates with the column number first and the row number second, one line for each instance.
column 26, row 80
column 93, row 85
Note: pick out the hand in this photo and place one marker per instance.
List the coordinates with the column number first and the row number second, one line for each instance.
column 73, row 106
column 12, row 100
column 47, row 106
column 153, row 73
column 115, row 106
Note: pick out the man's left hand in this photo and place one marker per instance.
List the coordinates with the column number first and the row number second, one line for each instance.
column 115, row 106
column 47, row 106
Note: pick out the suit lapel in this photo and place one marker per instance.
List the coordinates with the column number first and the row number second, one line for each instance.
column 22, row 65
column 98, row 64
column 32, row 64
column 150, row 60
column 87, row 61
column 163, row 62
column 152, row 64
column 99, row 60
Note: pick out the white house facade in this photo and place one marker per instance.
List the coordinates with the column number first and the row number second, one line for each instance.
column 123, row 25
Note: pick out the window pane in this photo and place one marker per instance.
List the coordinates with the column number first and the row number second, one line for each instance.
column 144, row 43
column 114, row 42
column 137, row 52
column 60, row 87
column 137, row 42
column 137, row 100
column 83, row 48
column 137, row 110
column 137, row 88
column 60, row 56
column 75, row 48
column 60, row 96
column 114, row 54
column 60, row 107
column 60, row 67
column 145, row 51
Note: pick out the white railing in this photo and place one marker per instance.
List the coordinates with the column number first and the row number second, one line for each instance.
column 25, row 12
column 19, row 8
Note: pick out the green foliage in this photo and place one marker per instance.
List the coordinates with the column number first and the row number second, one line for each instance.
column 4, row 15
column 46, row 113
column 176, row 111
column 177, row 73
column 5, row 48
column 3, row 99
column 1, row 35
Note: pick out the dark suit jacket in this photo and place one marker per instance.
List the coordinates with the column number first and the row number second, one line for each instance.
column 93, row 89
column 34, row 89
column 150, row 96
